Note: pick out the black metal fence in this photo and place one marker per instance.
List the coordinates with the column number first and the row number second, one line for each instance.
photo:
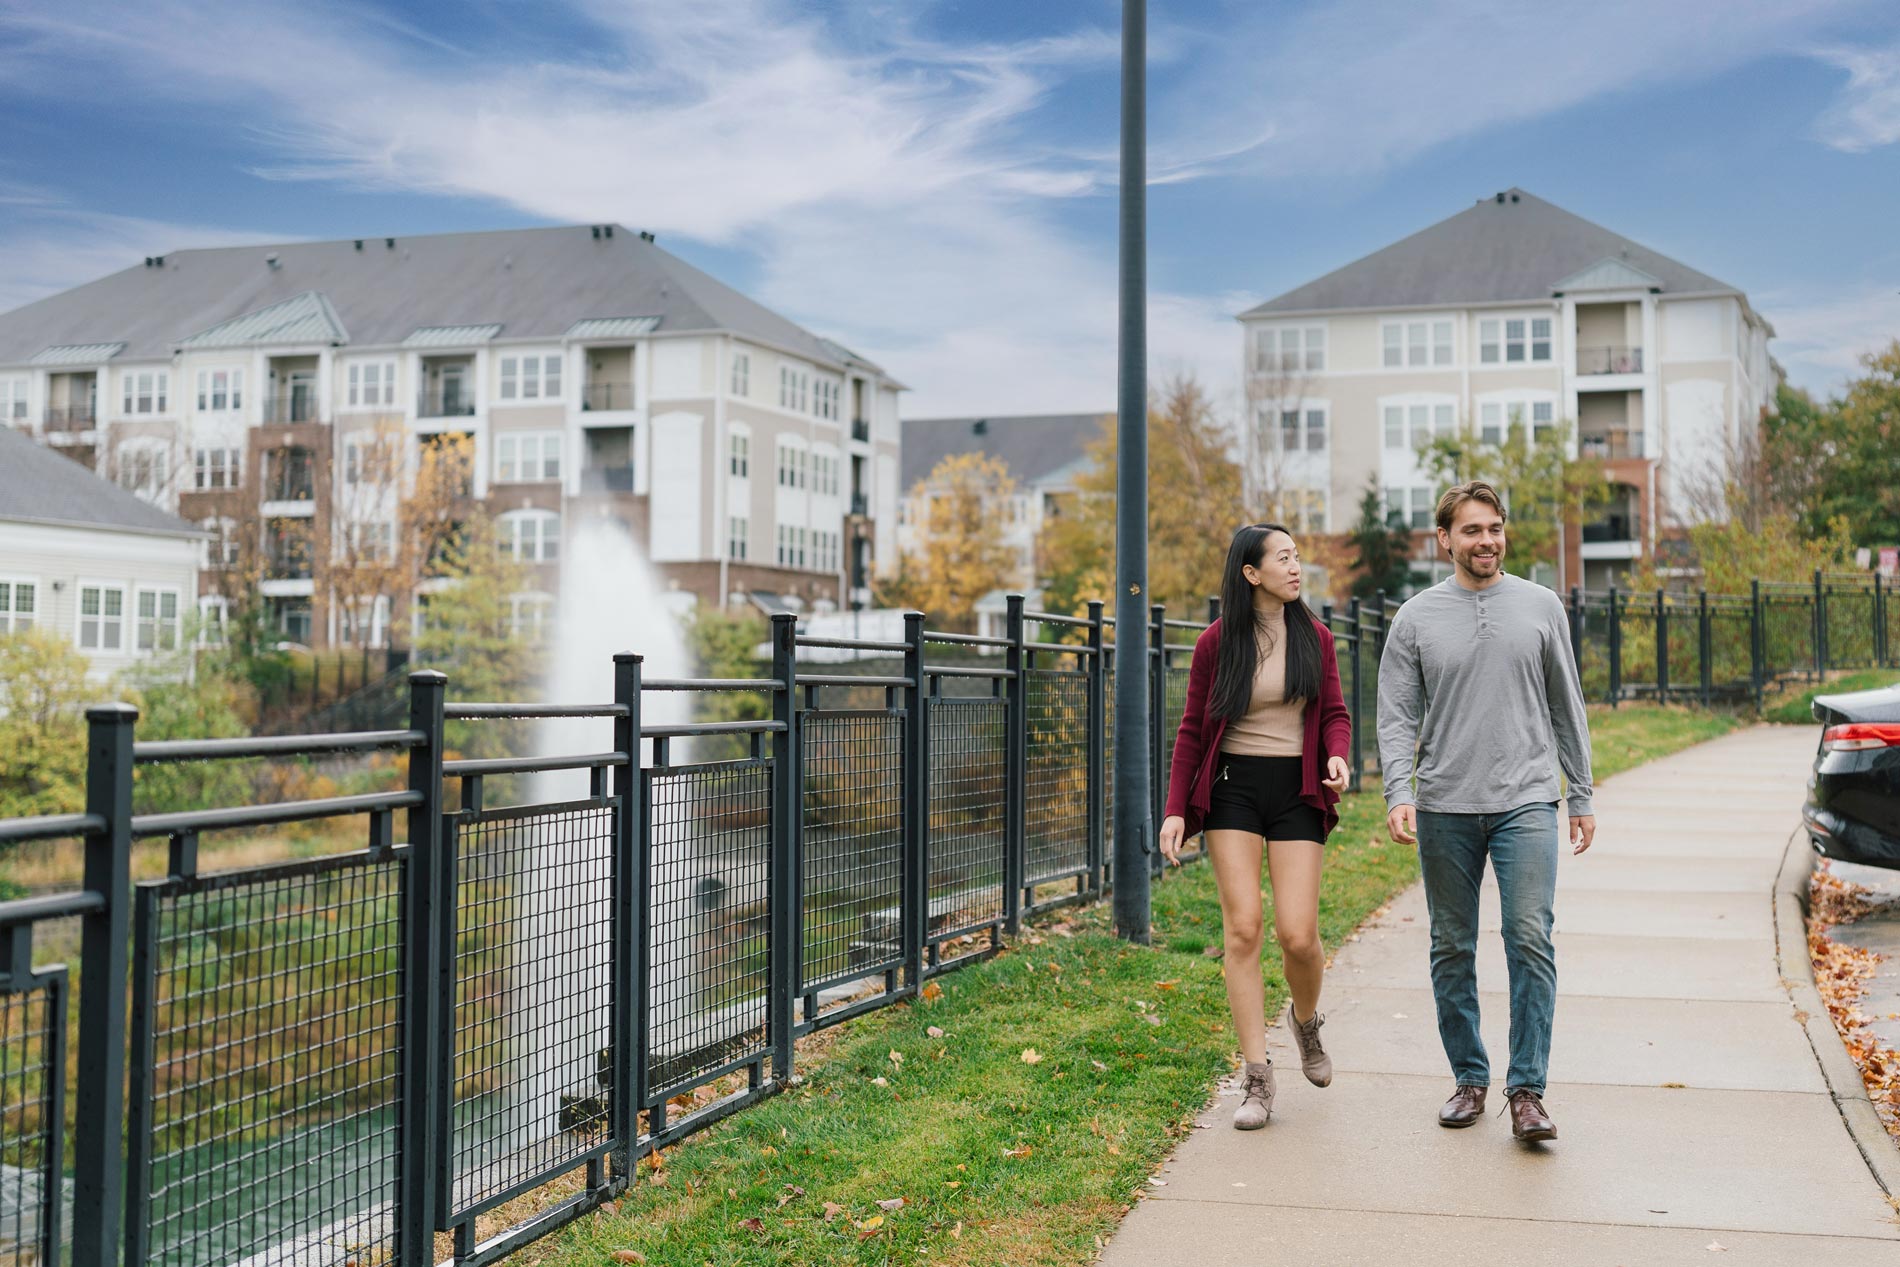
column 544, row 967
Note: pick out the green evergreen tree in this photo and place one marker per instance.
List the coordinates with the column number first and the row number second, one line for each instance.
column 1383, row 548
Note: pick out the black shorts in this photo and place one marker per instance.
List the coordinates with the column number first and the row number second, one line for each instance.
column 1262, row 795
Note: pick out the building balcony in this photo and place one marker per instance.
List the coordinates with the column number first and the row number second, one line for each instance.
column 67, row 419
column 299, row 406
column 860, row 505
column 861, row 430
column 1611, row 444
column 1617, row 535
column 450, row 404
column 1609, row 359
column 602, row 396
column 607, row 479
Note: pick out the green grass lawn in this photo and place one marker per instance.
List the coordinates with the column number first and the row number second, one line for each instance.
column 1066, row 1070
column 1796, row 707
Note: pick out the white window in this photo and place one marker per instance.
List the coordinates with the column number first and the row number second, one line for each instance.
column 101, row 617
column 530, row 617
column 527, row 456
column 1423, row 507
column 146, row 391
column 741, row 374
column 738, row 529
column 784, row 557
column 1497, row 417
column 143, row 469
column 19, row 604
column 1291, row 349
column 530, row 377
column 1491, row 422
column 793, row 465
column 1422, row 342
column 157, row 627
column 221, row 550
column 532, row 536
column 372, row 542
column 1395, row 426
column 220, row 390
column 372, row 383
column 825, row 470
column 794, row 389
column 216, row 468
column 825, row 397
column 798, row 547
column 13, row 391
column 1510, row 340
column 739, row 460
column 1303, row 430
column 213, row 614
column 1304, row 510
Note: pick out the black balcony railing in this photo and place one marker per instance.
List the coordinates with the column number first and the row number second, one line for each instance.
column 604, row 395
column 861, row 430
column 860, row 504
column 1622, row 526
column 1611, row 444
column 1610, row 360
column 71, row 418
column 454, row 404
column 508, row 983
column 607, row 479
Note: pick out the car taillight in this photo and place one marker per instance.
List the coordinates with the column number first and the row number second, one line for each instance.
column 1859, row 736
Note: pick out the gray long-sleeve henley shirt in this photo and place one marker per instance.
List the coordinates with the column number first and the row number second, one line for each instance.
column 1482, row 686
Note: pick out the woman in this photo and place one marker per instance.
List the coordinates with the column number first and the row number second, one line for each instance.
column 1258, row 763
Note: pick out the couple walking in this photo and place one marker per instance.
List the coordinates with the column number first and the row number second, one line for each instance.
column 1479, row 702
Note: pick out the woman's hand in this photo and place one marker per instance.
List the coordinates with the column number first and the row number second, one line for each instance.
column 1336, row 774
column 1173, row 828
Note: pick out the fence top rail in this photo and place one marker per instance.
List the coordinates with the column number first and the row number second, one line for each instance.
column 854, row 644
column 163, row 750
column 941, row 671
column 49, row 827
column 696, row 728
column 262, row 815
column 711, row 684
column 529, row 765
column 967, row 640
column 1198, row 626
column 32, row 910
column 1050, row 618
column 477, row 712
column 1069, row 648
column 847, row 679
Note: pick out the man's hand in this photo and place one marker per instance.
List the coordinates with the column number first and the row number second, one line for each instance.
column 1583, row 830
column 1402, row 822
column 1336, row 774
column 1173, row 828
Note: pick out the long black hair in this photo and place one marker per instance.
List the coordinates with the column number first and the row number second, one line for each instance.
column 1237, row 655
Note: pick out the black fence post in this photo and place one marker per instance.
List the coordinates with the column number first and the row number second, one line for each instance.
column 787, row 816
column 1662, row 647
column 1213, row 608
column 1705, row 646
column 1576, row 626
column 628, row 923
column 1616, row 651
column 1880, row 623
column 427, row 984
column 1016, row 749
column 1818, row 634
column 1157, row 727
column 1358, row 751
column 1757, row 642
column 1097, row 745
column 105, row 936
column 916, row 794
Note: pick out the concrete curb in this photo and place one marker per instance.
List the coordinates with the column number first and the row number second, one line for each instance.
column 1838, row 1070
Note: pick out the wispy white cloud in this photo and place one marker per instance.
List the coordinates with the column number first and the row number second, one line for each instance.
column 1821, row 338
column 1866, row 115
column 49, row 246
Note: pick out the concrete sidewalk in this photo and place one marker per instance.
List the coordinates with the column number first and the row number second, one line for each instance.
column 1690, row 1108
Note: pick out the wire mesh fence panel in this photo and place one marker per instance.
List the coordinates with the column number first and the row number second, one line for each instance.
column 1173, row 705
column 1056, row 828
column 853, row 872
column 708, row 890
column 33, row 1199
column 1787, row 633
column 968, row 836
column 1593, row 665
column 533, row 1013
column 1108, row 761
column 273, row 998
column 1683, row 616
column 1636, row 645
column 1731, row 648
column 1850, row 625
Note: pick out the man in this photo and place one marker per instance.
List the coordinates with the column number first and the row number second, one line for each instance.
column 1479, row 684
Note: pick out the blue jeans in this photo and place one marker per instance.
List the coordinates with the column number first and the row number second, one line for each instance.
column 1522, row 844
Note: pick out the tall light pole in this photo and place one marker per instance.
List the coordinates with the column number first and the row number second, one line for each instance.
column 1134, row 803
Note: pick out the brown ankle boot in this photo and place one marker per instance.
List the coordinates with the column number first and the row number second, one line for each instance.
column 1256, row 1104
column 1529, row 1122
column 1314, row 1062
column 1465, row 1107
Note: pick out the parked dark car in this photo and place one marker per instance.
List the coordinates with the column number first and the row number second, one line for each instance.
column 1853, row 809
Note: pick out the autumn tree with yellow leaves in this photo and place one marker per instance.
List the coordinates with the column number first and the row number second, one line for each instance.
column 962, row 555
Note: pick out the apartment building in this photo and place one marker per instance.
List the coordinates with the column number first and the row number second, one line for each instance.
column 1043, row 452
column 115, row 577
column 1512, row 311
column 593, row 375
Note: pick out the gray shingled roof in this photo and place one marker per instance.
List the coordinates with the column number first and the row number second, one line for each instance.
column 41, row 486
column 535, row 282
column 1033, row 447
column 1495, row 252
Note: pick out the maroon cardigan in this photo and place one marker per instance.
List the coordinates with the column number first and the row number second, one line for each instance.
column 1197, row 743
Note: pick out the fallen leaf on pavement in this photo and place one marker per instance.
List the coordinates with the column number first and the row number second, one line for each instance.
column 1158, row 1183
column 1716, row 1247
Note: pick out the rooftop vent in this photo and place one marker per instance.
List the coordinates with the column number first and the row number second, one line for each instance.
column 273, row 261
column 596, row 229
column 389, row 244
column 646, row 236
column 980, row 427
column 359, row 244
column 607, row 229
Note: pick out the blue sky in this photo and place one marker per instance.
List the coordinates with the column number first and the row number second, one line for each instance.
column 933, row 181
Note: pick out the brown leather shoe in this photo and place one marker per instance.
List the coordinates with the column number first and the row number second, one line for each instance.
column 1465, row 1107
column 1529, row 1122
